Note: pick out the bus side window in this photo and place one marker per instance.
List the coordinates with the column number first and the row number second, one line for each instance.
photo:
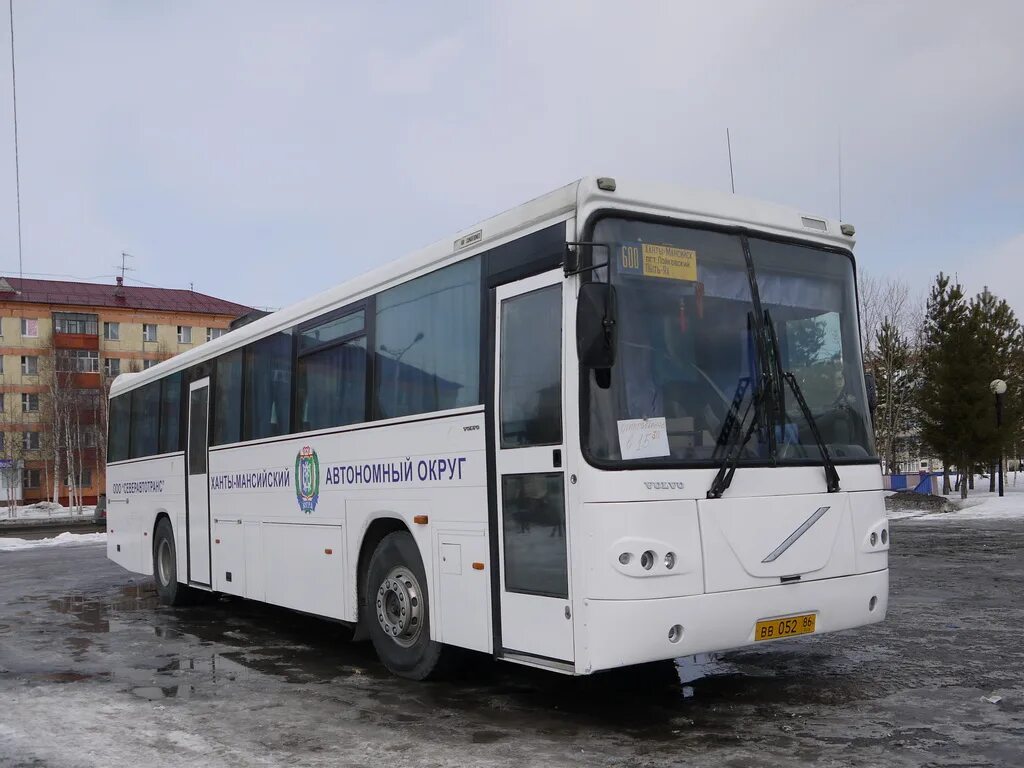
column 118, row 424
column 427, row 353
column 268, row 387
column 330, row 379
column 227, row 404
column 170, row 413
column 144, row 430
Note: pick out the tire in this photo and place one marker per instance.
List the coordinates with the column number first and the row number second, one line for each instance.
column 397, row 610
column 165, row 567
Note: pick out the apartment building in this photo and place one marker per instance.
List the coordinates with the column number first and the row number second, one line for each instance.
column 61, row 343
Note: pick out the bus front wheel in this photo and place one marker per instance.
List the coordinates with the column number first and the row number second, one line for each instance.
column 165, row 567
column 397, row 609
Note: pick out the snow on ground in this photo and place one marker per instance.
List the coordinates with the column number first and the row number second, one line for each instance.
column 62, row 540
column 45, row 510
column 980, row 504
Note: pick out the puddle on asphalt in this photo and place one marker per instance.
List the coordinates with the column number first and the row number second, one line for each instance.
column 206, row 647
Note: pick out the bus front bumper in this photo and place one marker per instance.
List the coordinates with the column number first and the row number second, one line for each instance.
column 624, row 632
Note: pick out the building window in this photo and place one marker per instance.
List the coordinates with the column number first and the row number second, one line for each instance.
column 29, row 327
column 89, row 438
column 75, row 322
column 29, row 402
column 84, row 479
column 1, row 363
column 30, row 441
column 32, row 479
column 112, row 331
column 29, row 365
column 2, row 401
column 112, row 366
column 214, row 333
column 184, row 334
column 147, row 364
column 149, row 332
column 78, row 360
column 3, row 441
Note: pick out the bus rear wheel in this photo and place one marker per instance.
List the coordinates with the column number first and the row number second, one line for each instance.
column 397, row 610
column 165, row 567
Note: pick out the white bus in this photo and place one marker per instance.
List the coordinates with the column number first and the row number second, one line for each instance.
column 617, row 424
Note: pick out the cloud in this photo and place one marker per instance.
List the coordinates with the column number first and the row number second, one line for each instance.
column 1001, row 270
column 263, row 152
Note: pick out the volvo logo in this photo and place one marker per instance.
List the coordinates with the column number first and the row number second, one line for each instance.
column 664, row 485
column 804, row 527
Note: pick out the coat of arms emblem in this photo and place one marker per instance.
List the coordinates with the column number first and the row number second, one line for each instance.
column 307, row 479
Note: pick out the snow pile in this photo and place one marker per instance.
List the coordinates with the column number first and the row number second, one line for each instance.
column 980, row 504
column 45, row 510
column 63, row 540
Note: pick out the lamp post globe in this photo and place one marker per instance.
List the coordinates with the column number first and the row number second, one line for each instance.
column 998, row 387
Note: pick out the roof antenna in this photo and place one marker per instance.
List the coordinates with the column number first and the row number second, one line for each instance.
column 839, row 161
column 17, row 168
column 124, row 265
column 728, row 143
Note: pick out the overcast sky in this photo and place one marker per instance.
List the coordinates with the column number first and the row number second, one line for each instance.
column 263, row 151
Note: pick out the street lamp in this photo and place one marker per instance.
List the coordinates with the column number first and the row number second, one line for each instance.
column 998, row 388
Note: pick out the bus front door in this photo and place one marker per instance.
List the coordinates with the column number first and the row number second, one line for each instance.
column 197, row 512
column 536, row 618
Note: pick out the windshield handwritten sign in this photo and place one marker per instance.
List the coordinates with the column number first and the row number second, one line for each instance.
column 665, row 261
column 643, row 438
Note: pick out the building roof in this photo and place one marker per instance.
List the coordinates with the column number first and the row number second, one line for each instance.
column 30, row 291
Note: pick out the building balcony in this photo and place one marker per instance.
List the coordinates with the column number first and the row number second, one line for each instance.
column 76, row 340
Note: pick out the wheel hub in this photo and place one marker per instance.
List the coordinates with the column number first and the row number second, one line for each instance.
column 163, row 561
column 399, row 606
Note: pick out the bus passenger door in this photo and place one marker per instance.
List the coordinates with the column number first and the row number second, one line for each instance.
column 536, row 618
column 197, row 512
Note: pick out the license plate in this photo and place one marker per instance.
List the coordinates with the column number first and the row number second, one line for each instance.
column 773, row 629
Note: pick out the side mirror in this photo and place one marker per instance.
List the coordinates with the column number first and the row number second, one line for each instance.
column 595, row 325
column 872, row 389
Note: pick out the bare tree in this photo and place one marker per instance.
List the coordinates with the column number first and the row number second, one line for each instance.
column 12, row 454
column 892, row 318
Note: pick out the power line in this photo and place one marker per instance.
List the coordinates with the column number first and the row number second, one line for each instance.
column 17, row 168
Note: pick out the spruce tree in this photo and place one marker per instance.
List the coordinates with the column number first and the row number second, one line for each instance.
column 1000, row 341
column 953, row 397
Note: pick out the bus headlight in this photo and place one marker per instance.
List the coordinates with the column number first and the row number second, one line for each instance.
column 670, row 560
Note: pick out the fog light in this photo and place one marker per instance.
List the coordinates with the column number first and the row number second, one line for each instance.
column 872, row 603
column 647, row 560
column 670, row 560
column 874, row 538
column 675, row 633
column 885, row 536
column 625, row 558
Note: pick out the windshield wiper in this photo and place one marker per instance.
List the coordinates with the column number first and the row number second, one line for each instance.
column 737, row 442
column 732, row 436
column 831, row 474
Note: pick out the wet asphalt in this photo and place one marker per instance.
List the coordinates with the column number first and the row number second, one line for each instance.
column 93, row 672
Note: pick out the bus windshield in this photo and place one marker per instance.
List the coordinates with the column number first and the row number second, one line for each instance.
column 687, row 349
